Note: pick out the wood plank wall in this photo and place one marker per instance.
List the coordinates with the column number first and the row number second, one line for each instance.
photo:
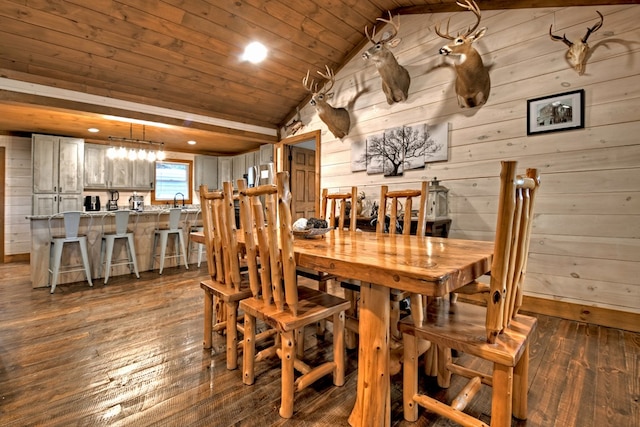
column 586, row 242
column 17, row 241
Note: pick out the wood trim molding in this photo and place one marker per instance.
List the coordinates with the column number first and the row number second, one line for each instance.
column 576, row 312
column 17, row 258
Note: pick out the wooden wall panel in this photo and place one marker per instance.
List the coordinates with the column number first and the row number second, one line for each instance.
column 17, row 238
column 586, row 243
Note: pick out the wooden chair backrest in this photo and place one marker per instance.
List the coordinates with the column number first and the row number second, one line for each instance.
column 393, row 198
column 268, row 235
column 334, row 200
column 219, row 229
column 210, row 208
column 513, row 233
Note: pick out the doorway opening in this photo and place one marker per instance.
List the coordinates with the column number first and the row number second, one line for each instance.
column 300, row 156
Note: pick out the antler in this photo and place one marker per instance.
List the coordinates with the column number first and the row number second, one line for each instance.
column 593, row 29
column 473, row 7
column 396, row 28
column 313, row 87
column 469, row 5
column 329, row 76
column 563, row 38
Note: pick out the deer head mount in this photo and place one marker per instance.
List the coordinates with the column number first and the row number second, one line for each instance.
column 336, row 119
column 472, row 78
column 577, row 53
column 395, row 78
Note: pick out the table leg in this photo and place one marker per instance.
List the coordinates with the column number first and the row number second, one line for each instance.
column 373, row 397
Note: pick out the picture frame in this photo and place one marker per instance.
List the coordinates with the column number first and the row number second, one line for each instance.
column 554, row 113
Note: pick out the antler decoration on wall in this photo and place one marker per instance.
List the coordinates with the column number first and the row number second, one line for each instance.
column 395, row 78
column 336, row 119
column 578, row 51
column 472, row 78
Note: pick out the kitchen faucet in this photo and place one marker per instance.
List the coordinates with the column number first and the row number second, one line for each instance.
column 175, row 200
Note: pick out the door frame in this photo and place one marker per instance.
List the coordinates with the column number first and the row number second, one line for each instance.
column 283, row 165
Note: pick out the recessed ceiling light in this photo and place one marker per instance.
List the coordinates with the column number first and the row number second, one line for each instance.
column 254, row 52
column 93, row 130
column 192, row 142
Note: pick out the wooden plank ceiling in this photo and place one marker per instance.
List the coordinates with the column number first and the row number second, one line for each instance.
column 183, row 56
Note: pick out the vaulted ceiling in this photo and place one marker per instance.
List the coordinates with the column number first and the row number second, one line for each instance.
column 68, row 65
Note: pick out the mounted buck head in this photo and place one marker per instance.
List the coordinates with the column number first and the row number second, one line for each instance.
column 472, row 78
column 577, row 53
column 395, row 78
column 336, row 119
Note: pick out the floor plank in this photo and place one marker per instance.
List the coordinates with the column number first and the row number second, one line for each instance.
column 130, row 354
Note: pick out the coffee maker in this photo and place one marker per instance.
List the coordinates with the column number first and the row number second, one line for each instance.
column 112, row 204
column 91, row 203
column 136, row 202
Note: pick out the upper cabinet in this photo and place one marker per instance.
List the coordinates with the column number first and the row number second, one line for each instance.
column 239, row 167
column 205, row 172
column 58, row 169
column 95, row 166
column 266, row 154
column 101, row 172
column 225, row 170
column 57, row 164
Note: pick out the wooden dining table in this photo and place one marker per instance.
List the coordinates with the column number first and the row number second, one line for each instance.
column 431, row 266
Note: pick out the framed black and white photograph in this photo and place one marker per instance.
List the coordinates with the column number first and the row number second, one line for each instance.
column 555, row 113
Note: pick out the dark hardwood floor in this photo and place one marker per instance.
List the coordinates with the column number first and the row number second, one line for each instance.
column 130, row 354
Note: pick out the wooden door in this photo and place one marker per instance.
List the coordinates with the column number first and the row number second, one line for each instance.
column 303, row 182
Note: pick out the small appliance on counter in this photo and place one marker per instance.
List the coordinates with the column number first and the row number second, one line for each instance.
column 91, row 203
column 112, row 204
column 136, row 203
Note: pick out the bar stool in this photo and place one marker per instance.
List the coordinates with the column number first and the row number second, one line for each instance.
column 195, row 226
column 163, row 233
column 108, row 240
column 71, row 220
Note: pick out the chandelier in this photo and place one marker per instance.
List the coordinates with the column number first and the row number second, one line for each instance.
column 134, row 149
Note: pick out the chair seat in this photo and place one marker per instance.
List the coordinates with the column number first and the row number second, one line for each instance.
column 461, row 326
column 224, row 292
column 62, row 237
column 313, row 306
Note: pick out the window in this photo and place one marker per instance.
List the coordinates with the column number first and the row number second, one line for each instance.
column 173, row 182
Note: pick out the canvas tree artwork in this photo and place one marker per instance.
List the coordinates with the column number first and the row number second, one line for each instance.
column 400, row 149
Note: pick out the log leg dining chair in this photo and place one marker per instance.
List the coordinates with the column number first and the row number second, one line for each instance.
column 71, row 222
column 195, row 225
column 333, row 209
column 162, row 233
column 332, row 205
column 228, row 283
column 276, row 299
column 107, row 246
column 497, row 333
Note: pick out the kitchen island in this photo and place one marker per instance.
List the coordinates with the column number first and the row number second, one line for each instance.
column 91, row 224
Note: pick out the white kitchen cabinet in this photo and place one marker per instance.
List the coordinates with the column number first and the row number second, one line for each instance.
column 125, row 174
column 225, row 170
column 119, row 173
column 58, row 173
column 95, row 166
column 205, row 172
column 51, row 203
column 266, row 154
column 239, row 167
column 143, row 175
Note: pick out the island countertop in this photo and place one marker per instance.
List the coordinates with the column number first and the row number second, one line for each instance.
column 149, row 210
column 92, row 224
